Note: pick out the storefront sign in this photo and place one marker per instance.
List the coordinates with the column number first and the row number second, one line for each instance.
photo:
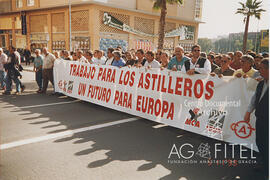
column 185, row 32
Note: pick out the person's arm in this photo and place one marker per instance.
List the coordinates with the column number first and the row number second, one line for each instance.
column 206, row 69
column 169, row 65
column 237, row 74
column 251, row 108
column 5, row 59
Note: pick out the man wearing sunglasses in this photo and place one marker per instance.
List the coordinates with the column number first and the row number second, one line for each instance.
column 197, row 65
column 225, row 69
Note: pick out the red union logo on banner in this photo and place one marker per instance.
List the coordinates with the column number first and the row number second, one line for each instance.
column 193, row 120
column 60, row 84
column 242, row 129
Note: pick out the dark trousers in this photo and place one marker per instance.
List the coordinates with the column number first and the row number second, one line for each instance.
column 47, row 75
column 39, row 79
column 262, row 141
column 27, row 61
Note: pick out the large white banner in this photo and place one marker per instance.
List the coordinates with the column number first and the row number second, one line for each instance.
column 202, row 104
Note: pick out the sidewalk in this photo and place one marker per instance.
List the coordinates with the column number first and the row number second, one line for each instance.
column 28, row 68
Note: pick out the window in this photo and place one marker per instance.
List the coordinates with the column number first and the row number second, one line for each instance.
column 198, row 5
column 19, row 3
column 30, row 2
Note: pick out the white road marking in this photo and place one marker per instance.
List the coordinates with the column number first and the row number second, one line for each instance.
column 51, row 104
column 64, row 133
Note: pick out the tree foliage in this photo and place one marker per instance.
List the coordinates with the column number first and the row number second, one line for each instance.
column 248, row 9
column 162, row 5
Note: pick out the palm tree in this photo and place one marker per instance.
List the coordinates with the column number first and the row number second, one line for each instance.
column 162, row 4
column 248, row 9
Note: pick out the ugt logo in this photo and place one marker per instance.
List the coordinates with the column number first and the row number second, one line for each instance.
column 60, row 84
column 194, row 115
column 70, row 87
column 242, row 129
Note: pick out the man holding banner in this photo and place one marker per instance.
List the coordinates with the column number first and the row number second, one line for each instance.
column 259, row 103
column 197, row 65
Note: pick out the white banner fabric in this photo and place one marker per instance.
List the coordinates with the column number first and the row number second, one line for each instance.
column 210, row 106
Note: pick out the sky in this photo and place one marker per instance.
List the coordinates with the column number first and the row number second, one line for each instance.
column 220, row 18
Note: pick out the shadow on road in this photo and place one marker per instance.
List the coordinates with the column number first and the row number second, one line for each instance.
column 138, row 140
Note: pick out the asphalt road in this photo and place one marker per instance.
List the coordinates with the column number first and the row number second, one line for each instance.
column 49, row 137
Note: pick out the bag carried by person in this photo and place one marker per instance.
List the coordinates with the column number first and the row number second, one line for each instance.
column 20, row 68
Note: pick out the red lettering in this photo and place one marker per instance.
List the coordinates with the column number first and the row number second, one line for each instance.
column 209, row 88
column 171, row 112
column 187, row 87
column 74, row 70
column 108, row 95
column 178, row 86
column 165, row 106
column 170, row 90
column 163, row 89
column 120, row 79
column 130, row 101
column 157, row 109
column 150, row 106
column 154, row 77
column 242, row 130
column 159, row 81
column 125, row 99
column 100, row 72
column 113, row 76
column 138, row 103
column 81, row 71
column 144, row 104
column 132, row 78
column 109, row 75
column 147, row 81
column 71, row 66
column 140, row 84
column 197, row 83
column 116, row 96
column 78, row 71
column 104, row 75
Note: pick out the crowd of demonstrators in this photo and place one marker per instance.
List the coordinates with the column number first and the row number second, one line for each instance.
column 38, row 63
column 3, row 60
column 234, row 64
column 195, row 62
column 11, row 65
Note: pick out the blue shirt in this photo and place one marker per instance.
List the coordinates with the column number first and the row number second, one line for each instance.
column 119, row 63
column 38, row 61
column 173, row 62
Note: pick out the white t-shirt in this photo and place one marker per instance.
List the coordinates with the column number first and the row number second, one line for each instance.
column 48, row 61
column 109, row 61
column 153, row 64
column 17, row 54
column 83, row 60
column 100, row 61
column 3, row 60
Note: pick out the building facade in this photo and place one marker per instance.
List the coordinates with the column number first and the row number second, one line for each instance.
column 96, row 24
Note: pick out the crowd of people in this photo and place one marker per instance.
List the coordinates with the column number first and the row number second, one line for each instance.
column 236, row 64
column 194, row 62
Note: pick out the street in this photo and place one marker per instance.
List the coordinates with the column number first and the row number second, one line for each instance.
column 52, row 137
